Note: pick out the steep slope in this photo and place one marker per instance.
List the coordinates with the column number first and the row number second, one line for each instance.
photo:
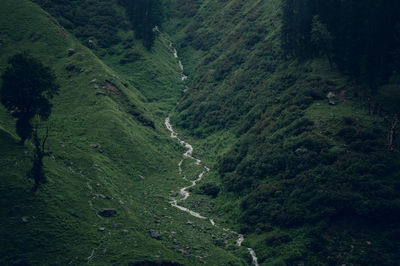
column 311, row 182
column 109, row 149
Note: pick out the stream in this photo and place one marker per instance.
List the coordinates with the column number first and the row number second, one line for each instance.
column 185, row 194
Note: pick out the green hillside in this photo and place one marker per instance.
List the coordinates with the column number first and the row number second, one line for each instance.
column 108, row 149
column 311, row 182
column 302, row 140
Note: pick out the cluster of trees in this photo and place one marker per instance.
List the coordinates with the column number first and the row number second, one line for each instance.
column 95, row 19
column 144, row 16
column 361, row 37
column 27, row 87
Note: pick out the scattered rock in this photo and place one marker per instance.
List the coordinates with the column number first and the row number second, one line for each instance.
column 101, row 229
column 1, row 43
column 101, row 151
column 116, row 225
column 93, row 81
column 153, row 75
column 100, row 93
column 108, row 212
column 71, row 52
column 92, row 44
column 189, row 223
column 104, row 251
column 369, row 243
column 184, row 252
column 331, row 98
column 154, row 234
column 95, row 146
column 101, row 196
column 301, row 151
column 73, row 214
column 125, row 231
column 25, row 220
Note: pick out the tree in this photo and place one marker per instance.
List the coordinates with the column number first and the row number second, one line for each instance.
column 321, row 38
column 27, row 87
column 36, row 171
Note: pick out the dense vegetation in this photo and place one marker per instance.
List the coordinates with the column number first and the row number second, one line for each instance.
column 310, row 176
column 292, row 104
column 144, row 16
column 100, row 21
column 363, row 36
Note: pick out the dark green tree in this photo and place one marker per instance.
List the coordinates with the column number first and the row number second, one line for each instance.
column 144, row 16
column 321, row 39
column 27, row 87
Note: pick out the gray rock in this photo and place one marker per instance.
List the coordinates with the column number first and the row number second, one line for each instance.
column 101, row 229
column 154, row 234
column 95, row 146
column 125, row 231
column 301, row 151
column 71, row 52
column 25, row 220
column 331, row 98
column 92, row 44
column 107, row 212
column 100, row 93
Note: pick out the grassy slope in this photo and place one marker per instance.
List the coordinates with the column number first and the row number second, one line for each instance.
column 135, row 171
column 249, row 89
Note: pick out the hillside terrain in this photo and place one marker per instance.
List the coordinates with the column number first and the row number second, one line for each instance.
column 300, row 144
column 293, row 156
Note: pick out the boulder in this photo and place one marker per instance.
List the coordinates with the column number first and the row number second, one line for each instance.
column 301, row 151
column 331, row 98
column 125, row 231
column 95, row 146
column 71, row 52
column 154, row 234
column 25, row 220
column 107, row 212
column 92, row 44
column 101, row 229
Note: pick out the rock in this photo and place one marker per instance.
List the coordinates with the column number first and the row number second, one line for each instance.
column 368, row 243
column 153, row 75
column 101, row 196
column 1, row 43
column 71, row 52
column 25, row 220
column 184, row 252
column 107, row 212
column 125, row 231
column 92, row 44
column 100, row 93
column 93, row 81
column 116, row 225
column 73, row 214
column 101, row 229
column 154, row 234
column 101, row 151
column 301, row 151
column 331, row 98
column 95, row 146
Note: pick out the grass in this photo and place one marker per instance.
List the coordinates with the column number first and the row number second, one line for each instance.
column 133, row 170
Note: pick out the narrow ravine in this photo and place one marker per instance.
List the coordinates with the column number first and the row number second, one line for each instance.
column 185, row 194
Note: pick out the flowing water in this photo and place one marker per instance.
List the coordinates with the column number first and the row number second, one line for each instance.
column 185, row 194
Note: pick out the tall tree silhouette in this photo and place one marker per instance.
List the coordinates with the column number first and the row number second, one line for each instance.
column 27, row 87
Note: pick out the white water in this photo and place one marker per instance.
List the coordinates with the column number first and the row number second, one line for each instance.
column 185, row 194
column 183, row 191
column 183, row 76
